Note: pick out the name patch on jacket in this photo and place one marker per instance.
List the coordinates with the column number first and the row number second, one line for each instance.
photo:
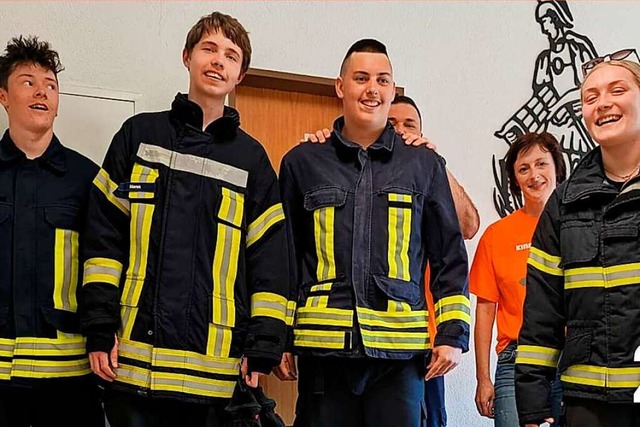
column 136, row 190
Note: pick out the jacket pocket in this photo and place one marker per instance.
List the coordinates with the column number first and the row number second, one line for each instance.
column 322, row 202
column 61, row 320
column 577, row 347
column 65, row 221
column 399, row 290
column 578, row 240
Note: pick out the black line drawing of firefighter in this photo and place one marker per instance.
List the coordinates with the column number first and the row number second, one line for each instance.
column 555, row 103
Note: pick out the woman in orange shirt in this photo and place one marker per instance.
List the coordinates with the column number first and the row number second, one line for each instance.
column 535, row 166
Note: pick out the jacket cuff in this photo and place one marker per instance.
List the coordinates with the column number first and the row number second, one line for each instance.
column 458, row 342
column 260, row 364
column 100, row 341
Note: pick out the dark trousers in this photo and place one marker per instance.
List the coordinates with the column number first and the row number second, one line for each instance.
column 594, row 413
column 434, row 401
column 130, row 410
column 68, row 402
column 341, row 392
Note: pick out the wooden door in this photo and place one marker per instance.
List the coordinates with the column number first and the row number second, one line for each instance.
column 278, row 116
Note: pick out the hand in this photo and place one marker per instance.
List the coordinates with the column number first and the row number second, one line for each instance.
column 443, row 359
column 485, row 395
column 320, row 136
column 416, row 140
column 287, row 370
column 546, row 420
column 102, row 364
column 252, row 379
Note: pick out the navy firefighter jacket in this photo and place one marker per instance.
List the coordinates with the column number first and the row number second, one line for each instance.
column 42, row 209
column 363, row 224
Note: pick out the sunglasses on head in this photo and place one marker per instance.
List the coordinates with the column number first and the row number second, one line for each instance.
column 615, row 56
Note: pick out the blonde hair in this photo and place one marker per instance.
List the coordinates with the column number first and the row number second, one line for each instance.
column 631, row 66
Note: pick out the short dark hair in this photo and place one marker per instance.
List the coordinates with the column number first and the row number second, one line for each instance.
column 364, row 45
column 524, row 143
column 402, row 99
column 229, row 26
column 27, row 50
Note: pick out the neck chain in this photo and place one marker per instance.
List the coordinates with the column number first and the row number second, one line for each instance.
column 624, row 177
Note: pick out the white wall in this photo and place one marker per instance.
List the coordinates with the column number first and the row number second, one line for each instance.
column 468, row 65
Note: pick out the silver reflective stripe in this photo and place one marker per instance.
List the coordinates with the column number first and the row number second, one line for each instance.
column 452, row 307
column 536, row 355
column 193, row 164
column 142, row 354
column 260, row 226
column 634, row 186
column 197, row 363
column 373, row 337
column 49, row 348
column 48, row 368
column 544, row 261
column 163, row 381
column 367, row 318
column 323, row 318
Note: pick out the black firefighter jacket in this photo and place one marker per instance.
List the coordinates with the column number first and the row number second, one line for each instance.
column 364, row 224
column 186, row 255
column 582, row 309
column 42, row 209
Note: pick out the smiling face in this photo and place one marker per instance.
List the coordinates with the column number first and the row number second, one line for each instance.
column 214, row 66
column 366, row 88
column 31, row 98
column 611, row 105
column 535, row 173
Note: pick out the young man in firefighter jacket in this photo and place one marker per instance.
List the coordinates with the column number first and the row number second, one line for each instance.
column 366, row 213
column 186, row 249
column 45, row 378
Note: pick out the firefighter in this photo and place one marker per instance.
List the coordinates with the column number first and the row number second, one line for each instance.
column 45, row 377
column 187, row 268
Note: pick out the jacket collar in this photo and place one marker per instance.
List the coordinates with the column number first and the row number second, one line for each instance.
column 189, row 113
column 384, row 142
column 588, row 178
column 53, row 157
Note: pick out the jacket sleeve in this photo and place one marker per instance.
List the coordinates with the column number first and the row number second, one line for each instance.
column 542, row 334
column 448, row 262
column 292, row 202
column 267, row 279
column 105, row 247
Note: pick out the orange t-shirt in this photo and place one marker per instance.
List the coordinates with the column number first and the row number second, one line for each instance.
column 499, row 271
column 430, row 307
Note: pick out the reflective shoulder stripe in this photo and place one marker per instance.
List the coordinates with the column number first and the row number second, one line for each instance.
column 264, row 222
column 102, row 270
column 269, row 305
column 193, row 164
column 537, row 355
column 103, row 182
column 455, row 307
column 544, row 262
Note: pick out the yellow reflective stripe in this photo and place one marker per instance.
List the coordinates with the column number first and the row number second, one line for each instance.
column 182, row 359
column 65, row 270
column 601, row 376
column 318, row 339
column 393, row 319
column 5, row 370
column 324, row 316
column 225, row 270
column 6, row 347
column 34, row 346
column 545, row 262
column 323, row 220
column 291, row 312
column 321, row 287
column 219, row 341
column 398, row 306
column 143, row 174
column 456, row 307
column 399, row 236
column 135, row 350
column 193, row 164
column 133, row 375
column 537, row 355
column 140, row 230
column 30, row 368
column 602, row 277
column 103, row 182
column 269, row 305
column 231, row 207
column 393, row 340
column 264, row 222
column 102, row 270
column 191, row 384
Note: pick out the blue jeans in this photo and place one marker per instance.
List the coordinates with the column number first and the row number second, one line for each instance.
column 506, row 414
column 434, row 400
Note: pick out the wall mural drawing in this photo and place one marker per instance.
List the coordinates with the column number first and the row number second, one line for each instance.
column 554, row 105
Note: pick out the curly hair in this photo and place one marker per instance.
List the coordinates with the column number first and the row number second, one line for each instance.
column 27, row 50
